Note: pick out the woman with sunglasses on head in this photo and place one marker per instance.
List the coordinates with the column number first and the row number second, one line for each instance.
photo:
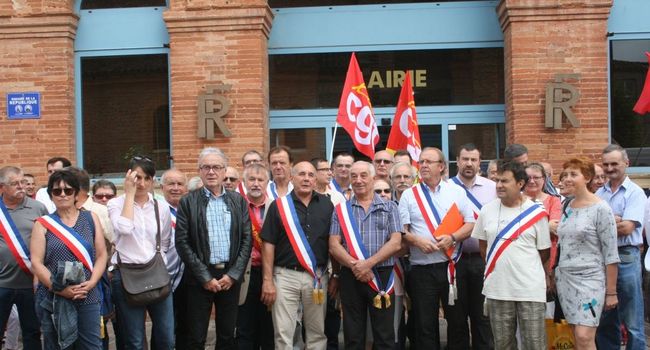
column 103, row 191
column 588, row 259
column 68, row 258
column 135, row 221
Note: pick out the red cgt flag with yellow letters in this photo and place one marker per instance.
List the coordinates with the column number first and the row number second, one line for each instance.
column 355, row 111
column 642, row 106
column 405, row 133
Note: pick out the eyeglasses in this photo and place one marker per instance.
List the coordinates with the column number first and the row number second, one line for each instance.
column 100, row 196
column 68, row 191
column 535, row 178
column 16, row 183
column 215, row 168
column 428, row 162
column 383, row 161
column 380, row 191
column 231, row 179
column 253, row 161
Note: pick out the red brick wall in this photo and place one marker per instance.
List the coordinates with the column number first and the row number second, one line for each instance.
column 36, row 54
column 216, row 42
column 543, row 38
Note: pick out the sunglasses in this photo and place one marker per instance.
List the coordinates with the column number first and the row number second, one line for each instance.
column 231, row 179
column 379, row 191
column 103, row 196
column 384, row 161
column 145, row 158
column 68, row 191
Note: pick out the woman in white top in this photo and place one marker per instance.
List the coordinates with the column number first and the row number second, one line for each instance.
column 134, row 218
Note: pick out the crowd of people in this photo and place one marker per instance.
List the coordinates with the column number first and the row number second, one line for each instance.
column 290, row 251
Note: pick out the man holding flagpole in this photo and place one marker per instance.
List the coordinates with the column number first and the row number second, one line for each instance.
column 364, row 237
column 17, row 215
column 294, row 260
column 436, row 216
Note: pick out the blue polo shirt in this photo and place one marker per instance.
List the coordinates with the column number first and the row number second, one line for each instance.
column 627, row 202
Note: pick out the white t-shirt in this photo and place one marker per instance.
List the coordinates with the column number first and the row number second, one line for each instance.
column 518, row 274
column 43, row 197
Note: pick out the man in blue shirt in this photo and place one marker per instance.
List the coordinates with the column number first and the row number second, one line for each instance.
column 627, row 201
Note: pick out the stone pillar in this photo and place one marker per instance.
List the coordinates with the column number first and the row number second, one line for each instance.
column 37, row 55
column 543, row 38
column 219, row 42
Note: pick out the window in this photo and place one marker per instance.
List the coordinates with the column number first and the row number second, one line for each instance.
column 125, row 101
column 303, row 3
column 439, row 77
column 488, row 138
column 305, row 144
column 109, row 4
column 629, row 66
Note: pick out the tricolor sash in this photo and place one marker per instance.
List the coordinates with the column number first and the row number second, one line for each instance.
column 511, row 232
column 172, row 213
column 400, row 282
column 432, row 219
column 473, row 201
column 300, row 244
column 337, row 186
column 14, row 240
column 272, row 192
column 81, row 249
column 241, row 189
column 358, row 250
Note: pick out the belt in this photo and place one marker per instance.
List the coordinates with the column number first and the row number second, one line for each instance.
column 219, row 266
column 294, row 268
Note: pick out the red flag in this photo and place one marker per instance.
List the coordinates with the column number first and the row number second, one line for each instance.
column 355, row 111
column 405, row 134
column 642, row 106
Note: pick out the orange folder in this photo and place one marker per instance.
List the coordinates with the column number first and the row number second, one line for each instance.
column 452, row 221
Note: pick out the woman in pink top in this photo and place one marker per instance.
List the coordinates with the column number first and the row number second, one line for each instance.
column 534, row 189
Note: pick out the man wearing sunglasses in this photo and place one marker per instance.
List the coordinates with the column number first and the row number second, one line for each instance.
column 383, row 162
column 231, row 180
column 85, row 201
column 16, row 281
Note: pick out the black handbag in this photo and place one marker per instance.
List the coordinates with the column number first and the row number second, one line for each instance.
column 148, row 283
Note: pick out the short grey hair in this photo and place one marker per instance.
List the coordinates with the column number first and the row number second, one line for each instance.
column 213, row 150
column 194, row 183
column 614, row 147
column 171, row 170
column 397, row 165
column 371, row 168
column 6, row 171
column 255, row 168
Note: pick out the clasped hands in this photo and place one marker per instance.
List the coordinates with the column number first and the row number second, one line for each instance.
column 222, row 284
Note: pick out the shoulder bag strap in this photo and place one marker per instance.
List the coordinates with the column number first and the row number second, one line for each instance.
column 155, row 207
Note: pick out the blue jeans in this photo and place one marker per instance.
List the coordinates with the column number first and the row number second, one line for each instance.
column 29, row 325
column 132, row 318
column 630, row 306
column 88, row 328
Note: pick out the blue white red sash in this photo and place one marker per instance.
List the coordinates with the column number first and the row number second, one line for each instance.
column 271, row 191
column 432, row 219
column 357, row 249
column 511, row 232
column 172, row 213
column 337, row 186
column 81, row 249
column 476, row 205
column 297, row 237
column 400, row 281
column 14, row 240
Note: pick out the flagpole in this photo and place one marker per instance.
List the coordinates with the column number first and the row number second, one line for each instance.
column 336, row 126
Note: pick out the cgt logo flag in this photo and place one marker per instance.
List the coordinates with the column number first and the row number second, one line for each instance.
column 405, row 134
column 642, row 106
column 355, row 111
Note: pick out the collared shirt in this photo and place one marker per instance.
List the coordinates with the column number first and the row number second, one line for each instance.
column 443, row 197
column 315, row 221
column 23, row 216
column 485, row 191
column 135, row 239
column 218, row 219
column 272, row 190
column 43, row 197
column 376, row 226
column 102, row 214
column 628, row 202
column 175, row 266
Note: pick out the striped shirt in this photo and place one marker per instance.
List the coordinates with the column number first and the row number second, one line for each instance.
column 218, row 220
column 376, row 226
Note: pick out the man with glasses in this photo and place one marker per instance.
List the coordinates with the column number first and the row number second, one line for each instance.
column 53, row 164
column 231, row 180
column 422, row 209
column 213, row 239
column 341, row 172
column 324, row 179
column 627, row 201
column 17, row 213
column 402, row 177
column 383, row 162
column 470, row 267
column 251, row 157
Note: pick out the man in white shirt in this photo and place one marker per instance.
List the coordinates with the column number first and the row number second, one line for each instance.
column 341, row 166
column 280, row 162
column 53, row 164
column 514, row 237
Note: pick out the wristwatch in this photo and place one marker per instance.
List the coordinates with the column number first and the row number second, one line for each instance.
column 111, row 268
column 453, row 239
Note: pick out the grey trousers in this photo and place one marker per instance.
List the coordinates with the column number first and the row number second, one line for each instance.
column 505, row 315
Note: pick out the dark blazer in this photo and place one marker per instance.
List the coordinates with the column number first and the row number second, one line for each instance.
column 192, row 236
